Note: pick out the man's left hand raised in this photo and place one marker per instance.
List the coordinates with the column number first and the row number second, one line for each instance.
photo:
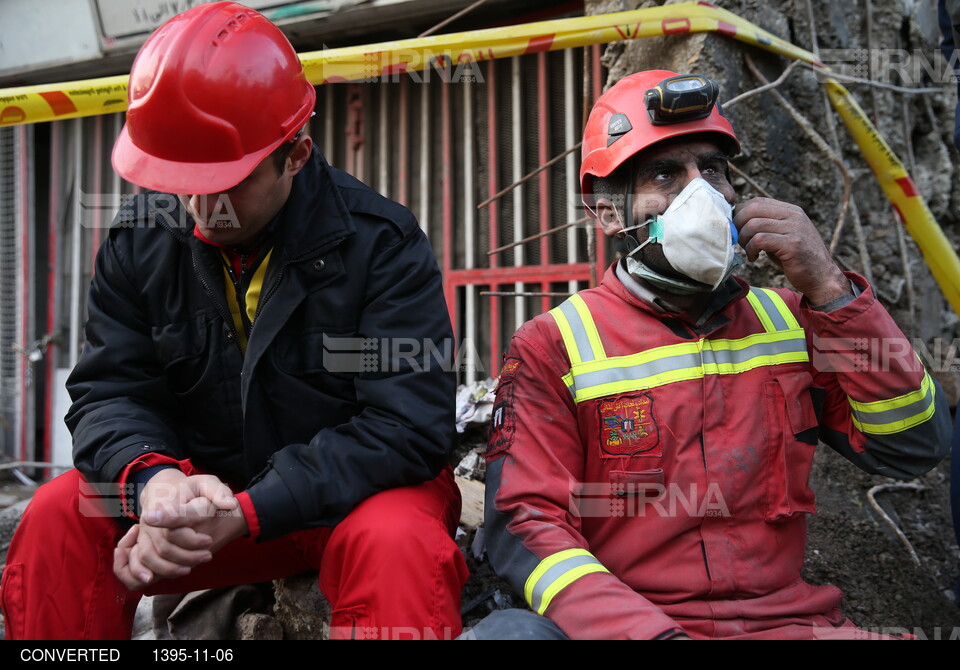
column 792, row 241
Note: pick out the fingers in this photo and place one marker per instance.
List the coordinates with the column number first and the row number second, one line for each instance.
column 126, row 564
column 214, row 490
column 188, row 502
column 766, row 208
column 163, row 550
column 189, row 538
column 156, row 557
column 194, row 513
column 770, row 235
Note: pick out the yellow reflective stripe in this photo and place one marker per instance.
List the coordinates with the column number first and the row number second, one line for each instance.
column 627, row 385
column 657, row 353
column 592, row 374
column 761, row 312
column 885, row 417
column 691, row 348
column 555, row 573
column 593, row 336
column 565, row 581
column 771, row 310
column 569, row 341
column 781, row 306
column 683, row 362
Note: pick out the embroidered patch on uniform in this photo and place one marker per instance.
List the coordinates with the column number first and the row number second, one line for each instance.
column 503, row 421
column 628, row 427
column 509, row 369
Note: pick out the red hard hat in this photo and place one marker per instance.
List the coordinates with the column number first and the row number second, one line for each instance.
column 609, row 140
column 212, row 92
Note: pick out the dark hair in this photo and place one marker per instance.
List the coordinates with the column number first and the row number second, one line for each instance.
column 281, row 153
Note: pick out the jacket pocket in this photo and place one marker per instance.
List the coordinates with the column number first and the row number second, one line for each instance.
column 790, row 428
column 648, row 483
column 317, row 351
column 185, row 351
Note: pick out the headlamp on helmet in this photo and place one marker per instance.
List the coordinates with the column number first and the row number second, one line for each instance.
column 681, row 98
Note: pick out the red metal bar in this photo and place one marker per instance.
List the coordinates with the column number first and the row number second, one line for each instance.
column 543, row 155
column 404, row 142
column 600, row 244
column 524, row 273
column 493, row 212
column 354, row 130
column 25, row 234
column 446, row 179
column 53, row 265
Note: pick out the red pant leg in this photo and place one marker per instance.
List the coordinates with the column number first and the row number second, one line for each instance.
column 59, row 581
column 59, row 573
column 391, row 568
column 390, row 565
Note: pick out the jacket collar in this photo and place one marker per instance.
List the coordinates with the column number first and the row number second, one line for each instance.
column 617, row 280
column 315, row 215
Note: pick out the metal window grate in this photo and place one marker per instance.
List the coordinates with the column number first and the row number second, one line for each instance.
column 10, row 308
column 425, row 141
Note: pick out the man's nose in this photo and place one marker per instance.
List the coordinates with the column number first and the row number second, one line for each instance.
column 689, row 173
column 199, row 205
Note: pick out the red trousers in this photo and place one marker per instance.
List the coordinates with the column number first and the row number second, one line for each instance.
column 390, row 569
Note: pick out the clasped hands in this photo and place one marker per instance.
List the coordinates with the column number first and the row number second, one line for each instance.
column 184, row 520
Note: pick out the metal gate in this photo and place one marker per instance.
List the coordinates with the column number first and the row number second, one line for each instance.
column 440, row 142
column 446, row 140
column 16, row 404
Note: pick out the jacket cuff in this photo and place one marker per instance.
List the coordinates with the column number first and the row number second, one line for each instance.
column 249, row 514
column 131, row 483
column 845, row 307
column 842, row 301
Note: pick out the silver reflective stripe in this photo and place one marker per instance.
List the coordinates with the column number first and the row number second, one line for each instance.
column 776, row 318
column 717, row 357
column 551, row 576
column 889, row 416
column 579, row 331
column 740, row 356
column 585, row 380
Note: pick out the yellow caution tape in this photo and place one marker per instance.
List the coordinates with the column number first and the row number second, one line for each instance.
column 34, row 104
column 51, row 102
column 902, row 194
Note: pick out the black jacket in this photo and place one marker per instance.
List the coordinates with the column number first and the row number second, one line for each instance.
column 306, row 432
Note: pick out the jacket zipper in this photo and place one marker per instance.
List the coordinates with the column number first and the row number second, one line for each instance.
column 263, row 300
column 226, row 317
column 206, row 287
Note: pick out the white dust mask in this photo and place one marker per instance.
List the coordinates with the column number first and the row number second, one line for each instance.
column 698, row 239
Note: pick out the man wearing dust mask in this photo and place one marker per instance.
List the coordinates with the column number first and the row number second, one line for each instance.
column 649, row 459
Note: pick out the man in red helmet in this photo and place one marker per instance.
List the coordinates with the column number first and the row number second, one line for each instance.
column 652, row 438
column 240, row 410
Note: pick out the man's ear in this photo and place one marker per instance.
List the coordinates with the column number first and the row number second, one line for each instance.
column 608, row 217
column 299, row 155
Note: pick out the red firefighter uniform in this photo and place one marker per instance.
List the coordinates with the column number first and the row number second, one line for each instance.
column 648, row 475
